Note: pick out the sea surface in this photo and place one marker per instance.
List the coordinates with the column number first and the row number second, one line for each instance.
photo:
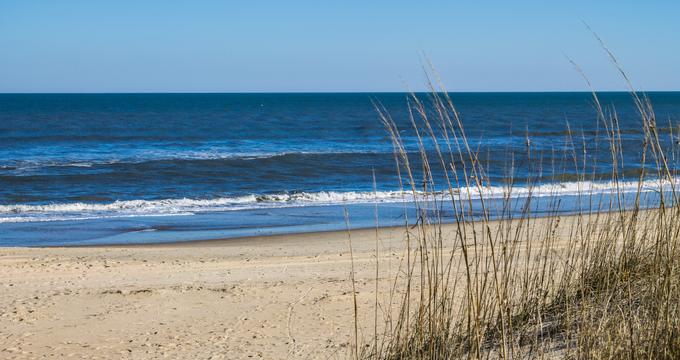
column 137, row 168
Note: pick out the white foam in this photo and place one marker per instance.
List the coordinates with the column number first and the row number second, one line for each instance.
column 17, row 212
column 185, row 206
column 584, row 188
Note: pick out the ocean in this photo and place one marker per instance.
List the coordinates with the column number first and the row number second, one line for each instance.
column 81, row 169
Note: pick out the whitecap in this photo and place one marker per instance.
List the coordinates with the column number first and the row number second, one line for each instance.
column 189, row 206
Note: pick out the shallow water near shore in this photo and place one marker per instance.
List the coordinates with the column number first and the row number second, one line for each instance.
column 289, row 220
column 143, row 168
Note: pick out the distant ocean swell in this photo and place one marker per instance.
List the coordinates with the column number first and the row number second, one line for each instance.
column 84, row 155
column 19, row 213
column 151, row 156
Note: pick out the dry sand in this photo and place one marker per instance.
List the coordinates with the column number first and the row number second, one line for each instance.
column 271, row 297
column 275, row 297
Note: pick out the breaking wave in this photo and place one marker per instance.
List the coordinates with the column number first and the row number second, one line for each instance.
column 15, row 213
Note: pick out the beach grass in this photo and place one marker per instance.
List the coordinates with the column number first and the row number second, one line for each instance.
column 603, row 283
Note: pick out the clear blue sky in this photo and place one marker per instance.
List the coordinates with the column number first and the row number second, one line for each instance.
column 316, row 45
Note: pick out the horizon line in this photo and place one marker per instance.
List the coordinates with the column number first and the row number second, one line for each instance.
column 327, row 92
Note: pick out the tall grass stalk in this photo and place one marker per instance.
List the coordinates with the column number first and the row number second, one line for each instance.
column 498, row 282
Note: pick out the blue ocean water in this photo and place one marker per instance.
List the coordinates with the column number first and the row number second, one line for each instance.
column 119, row 168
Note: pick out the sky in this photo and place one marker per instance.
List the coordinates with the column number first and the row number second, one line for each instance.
column 333, row 46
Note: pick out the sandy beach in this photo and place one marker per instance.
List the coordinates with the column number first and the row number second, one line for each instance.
column 270, row 297
column 275, row 297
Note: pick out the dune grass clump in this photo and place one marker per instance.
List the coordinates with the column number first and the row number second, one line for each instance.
column 601, row 283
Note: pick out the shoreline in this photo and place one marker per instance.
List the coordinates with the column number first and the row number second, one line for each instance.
column 257, row 223
column 224, row 241
column 228, row 241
